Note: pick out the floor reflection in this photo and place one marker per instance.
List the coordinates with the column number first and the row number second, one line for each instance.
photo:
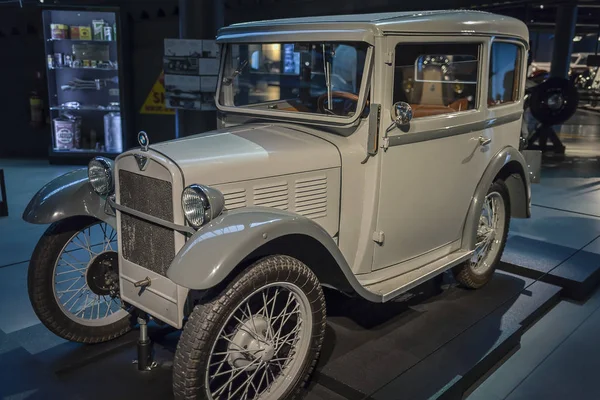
column 581, row 134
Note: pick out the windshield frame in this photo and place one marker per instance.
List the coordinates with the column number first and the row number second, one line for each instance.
column 309, row 118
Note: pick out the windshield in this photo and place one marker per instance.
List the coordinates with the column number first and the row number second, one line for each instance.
column 579, row 59
column 305, row 77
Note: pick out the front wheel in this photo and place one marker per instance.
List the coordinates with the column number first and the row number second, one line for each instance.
column 492, row 232
column 259, row 340
column 73, row 281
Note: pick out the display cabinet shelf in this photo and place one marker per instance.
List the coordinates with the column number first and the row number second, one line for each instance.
column 85, row 108
column 82, row 40
column 80, row 152
column 88, row 68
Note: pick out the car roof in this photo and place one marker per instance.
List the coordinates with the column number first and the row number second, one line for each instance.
column 441, row 21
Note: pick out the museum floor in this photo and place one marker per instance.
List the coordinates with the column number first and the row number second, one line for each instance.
column 556, row 357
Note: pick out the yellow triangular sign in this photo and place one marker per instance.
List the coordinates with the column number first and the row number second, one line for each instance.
column 155, row 102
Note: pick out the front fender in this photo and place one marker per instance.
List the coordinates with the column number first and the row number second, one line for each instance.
column 69, row 195
column 215, row 250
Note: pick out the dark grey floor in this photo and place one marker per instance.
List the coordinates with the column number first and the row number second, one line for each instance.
column 558, row 355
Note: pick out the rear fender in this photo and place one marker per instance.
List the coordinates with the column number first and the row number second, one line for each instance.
column 214, row 252
column 69, row 195
column 510, row 166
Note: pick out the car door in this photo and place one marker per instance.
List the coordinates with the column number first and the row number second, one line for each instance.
column 432, row 165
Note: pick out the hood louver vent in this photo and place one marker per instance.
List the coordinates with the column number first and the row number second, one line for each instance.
column 273, row 195
column 235, row 199
column 311, row 197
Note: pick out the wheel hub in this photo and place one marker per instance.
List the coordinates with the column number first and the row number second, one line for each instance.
column 250, row 343
column 555, row 101
column 486, row 232
column 102, row 274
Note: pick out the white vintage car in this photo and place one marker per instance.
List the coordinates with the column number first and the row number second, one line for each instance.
column 365, row 153
column 578, row 65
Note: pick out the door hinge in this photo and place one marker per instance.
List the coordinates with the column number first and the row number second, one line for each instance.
column 389, row 58
column 385, row 143
column 378, row 237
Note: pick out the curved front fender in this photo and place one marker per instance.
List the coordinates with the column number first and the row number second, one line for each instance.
column 69, row 195
column 210, row 255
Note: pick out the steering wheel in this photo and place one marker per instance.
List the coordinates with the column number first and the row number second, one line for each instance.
column 351, row 99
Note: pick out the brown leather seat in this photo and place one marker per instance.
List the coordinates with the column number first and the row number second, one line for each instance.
column 425, row 110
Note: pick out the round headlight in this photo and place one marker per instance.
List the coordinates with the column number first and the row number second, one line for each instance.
column 201, row 204
column 100, row 176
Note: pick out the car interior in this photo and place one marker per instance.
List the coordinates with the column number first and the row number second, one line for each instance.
column 436, row 79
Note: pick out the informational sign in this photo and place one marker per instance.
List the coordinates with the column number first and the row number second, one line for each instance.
column 155, row 102
column 191, row 68
column 291, row 60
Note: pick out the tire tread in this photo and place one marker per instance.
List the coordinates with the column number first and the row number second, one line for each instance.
column 463, row 273
column 41, row 293
column 196, row 339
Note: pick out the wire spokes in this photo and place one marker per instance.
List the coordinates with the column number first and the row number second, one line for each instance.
column 257, row 345
column 72, row 277
column 489, row 232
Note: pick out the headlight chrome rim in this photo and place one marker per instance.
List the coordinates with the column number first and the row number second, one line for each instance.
column 196, row 205
column 100, row 176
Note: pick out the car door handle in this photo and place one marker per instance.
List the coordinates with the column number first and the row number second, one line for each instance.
column 483, row 141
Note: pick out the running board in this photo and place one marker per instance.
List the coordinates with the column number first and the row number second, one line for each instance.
column 397, row 285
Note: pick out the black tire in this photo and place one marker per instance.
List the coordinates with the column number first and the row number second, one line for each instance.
column 464, row 273
column 540, row 95
column 41, row 292
column 205, row 323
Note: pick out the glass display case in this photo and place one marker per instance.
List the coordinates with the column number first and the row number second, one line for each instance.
column 86, row 95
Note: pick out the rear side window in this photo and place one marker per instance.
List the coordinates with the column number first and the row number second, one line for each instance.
column 436, row 79
column 505, row 64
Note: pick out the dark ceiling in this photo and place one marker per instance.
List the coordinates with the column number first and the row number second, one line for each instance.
column 539, row 15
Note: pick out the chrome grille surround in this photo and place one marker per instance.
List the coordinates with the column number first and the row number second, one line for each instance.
column 146, row 249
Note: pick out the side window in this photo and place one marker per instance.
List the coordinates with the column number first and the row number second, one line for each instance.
column 436, row 79
column 505, row 64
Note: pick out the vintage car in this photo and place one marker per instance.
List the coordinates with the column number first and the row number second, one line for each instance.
column 410, row 169
column 577, row 66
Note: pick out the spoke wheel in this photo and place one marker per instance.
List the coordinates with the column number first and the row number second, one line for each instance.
column 490, row 233
column 86, row 277
column 257, row 347
column 261, row 337
column 73, row 281
column 490, row 238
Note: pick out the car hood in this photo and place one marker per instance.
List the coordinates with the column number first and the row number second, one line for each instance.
column 248, row 152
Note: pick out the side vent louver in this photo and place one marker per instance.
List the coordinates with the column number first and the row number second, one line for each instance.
column 311, row 197
column 272, row 195
column 235, row 199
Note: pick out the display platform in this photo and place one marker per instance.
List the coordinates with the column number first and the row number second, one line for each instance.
column 577, row 272
column 433, row 345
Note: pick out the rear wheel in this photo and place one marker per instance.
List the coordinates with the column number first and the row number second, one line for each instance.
column 492, row 232
column 259, row 340
column 73, row 281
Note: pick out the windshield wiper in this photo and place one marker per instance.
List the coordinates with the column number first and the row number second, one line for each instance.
column 327, row 72
column 238, row 70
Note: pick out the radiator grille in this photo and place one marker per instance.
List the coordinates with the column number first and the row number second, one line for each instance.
column 146, row 244
column 272, row 195
column 311, row 197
